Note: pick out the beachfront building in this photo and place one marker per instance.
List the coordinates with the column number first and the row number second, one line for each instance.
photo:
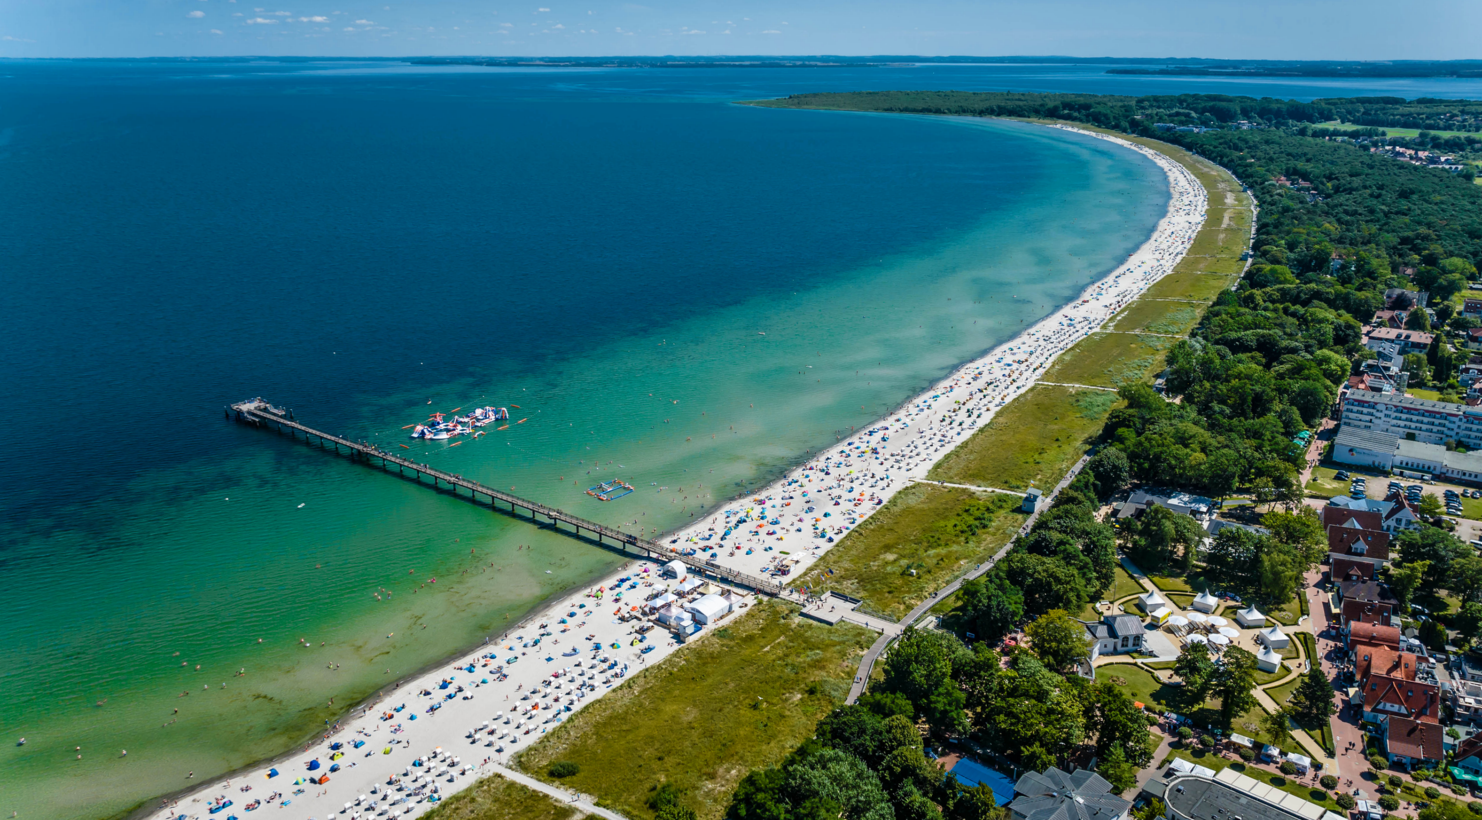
column 1030, row 504
column 1197, row 507
column 1114, row 635
column 1060, row 795
column 1406, row 417
column 707, row 609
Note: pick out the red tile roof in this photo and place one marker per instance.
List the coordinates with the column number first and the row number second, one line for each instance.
column 1351, row 569
column 1342, row 516
column 1366, row 612
column 1420, row 740
column 1383, row 660
column 1372, row 544
column 1417, row 701
column 1373, row 635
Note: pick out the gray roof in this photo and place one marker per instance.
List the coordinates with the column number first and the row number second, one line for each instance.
column 1124, row 625
column 1350, row 436
column 1058, row 795
column 1216, row 524
column 1191, row 797
column 1097, row 630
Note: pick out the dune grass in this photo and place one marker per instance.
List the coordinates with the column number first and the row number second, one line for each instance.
column 741, row 697
column 1199, row 287
column 1157, row 316
column 496, row 798
column 913, row 546
column 1110, row 359
column 1034, row 439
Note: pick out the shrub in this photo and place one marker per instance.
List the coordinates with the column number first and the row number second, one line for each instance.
column 1458, row 790
column 1288, row 768
column 1207, row 741
column 1329, row 782
column 1431, row 792
column 1247, row 754
column 1345, row 801
column 1389, row 802
column 563, row 768
column 1184, row 733
column 1394, row 781
column 1475, row 806
column 1378, row 762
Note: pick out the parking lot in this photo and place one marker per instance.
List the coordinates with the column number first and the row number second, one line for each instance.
column 1462, row 505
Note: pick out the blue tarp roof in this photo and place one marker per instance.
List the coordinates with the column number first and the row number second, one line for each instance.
column 973, row 773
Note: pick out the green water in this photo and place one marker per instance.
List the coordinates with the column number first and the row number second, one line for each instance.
column 232, row 573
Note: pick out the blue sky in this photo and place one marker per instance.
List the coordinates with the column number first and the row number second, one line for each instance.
column 1248, row 29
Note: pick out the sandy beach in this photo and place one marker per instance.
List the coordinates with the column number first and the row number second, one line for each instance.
column 433, row 735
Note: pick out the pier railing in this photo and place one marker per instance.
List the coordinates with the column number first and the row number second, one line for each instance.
column 260, row 413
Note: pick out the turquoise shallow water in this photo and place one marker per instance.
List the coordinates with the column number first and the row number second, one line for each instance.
column 359, row 246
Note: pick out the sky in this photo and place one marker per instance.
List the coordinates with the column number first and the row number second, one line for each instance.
column 1230, row 29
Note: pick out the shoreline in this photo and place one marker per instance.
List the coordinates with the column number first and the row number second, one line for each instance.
column 915, row 428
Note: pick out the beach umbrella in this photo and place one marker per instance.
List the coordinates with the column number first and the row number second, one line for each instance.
column 1229, row 632
column 1219, row 640
column 1197, row 617
column 1178, row 620
column 1215, row 620
column 1197, row 638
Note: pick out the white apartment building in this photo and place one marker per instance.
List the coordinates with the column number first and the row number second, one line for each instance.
column 1431, row 422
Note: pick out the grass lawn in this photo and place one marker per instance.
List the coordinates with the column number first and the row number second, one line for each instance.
column 1142, row 686
column 1289, row 613
column 495, row 798
column 1035, row 439
column 1322, row 732
column 1185, row 600
column 1190, row 284
column 916, row 531
column 1168, row 584
column 740, row 698
column 1422, row 393
column 1110, row 359
column 1155, row 316
column 1122, row 587
column 1216, row 762
column 1324, row 485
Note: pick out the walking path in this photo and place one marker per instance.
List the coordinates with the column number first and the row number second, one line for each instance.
column 968, row 486
column 867, row 663
column 581, row 801
column 1073, row 384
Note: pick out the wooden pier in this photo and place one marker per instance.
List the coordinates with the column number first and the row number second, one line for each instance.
column 260, row 413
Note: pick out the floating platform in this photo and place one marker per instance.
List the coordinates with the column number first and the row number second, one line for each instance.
column 608, row 490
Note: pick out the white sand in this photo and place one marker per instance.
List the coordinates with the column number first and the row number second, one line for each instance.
column 814, row 506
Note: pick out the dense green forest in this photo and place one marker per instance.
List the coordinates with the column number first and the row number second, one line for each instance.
column 1338, row 226
column 1137, row 115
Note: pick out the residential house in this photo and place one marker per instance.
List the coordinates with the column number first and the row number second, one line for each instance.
column 1364, row 634
column 1409, row 341
column 1390, row 318
column 1386, row 697
column 1413, row 743
column 1351, row 569
column 1358, row 544
column 1366, row 612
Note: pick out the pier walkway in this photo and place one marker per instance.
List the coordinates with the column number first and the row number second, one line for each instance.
column 260, row 413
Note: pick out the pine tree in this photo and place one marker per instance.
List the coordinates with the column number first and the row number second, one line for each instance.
column 1313, row 700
